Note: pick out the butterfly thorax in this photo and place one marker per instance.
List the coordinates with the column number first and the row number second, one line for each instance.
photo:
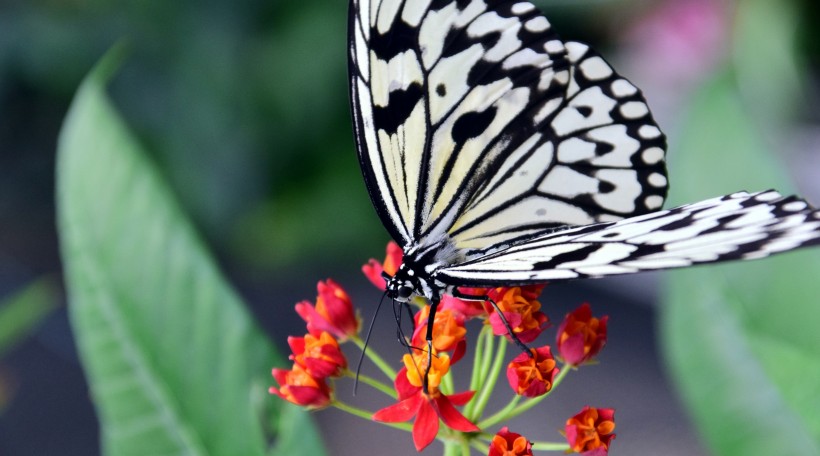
column 417, row 273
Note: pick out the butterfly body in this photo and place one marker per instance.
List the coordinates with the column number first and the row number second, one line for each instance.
column 497, row 154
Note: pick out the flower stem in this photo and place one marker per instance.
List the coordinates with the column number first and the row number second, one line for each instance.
column 480, row 445
column 386, row 389
column 513, row 409
column 477, row 360
column 368, row 415
column 490, row 380
column 377, row 360
column 447, row 386
column 481, row 367
column 550, row 446
column 500, row 415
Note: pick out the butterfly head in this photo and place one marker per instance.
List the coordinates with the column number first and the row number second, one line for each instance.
column 401, row 286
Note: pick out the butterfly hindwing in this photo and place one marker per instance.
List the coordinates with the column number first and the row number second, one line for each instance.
column 737, row 226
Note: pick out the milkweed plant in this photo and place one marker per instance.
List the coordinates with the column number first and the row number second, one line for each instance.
column 530, row 377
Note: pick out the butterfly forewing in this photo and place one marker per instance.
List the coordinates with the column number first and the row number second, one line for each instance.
column 438, row 89
column 474, row 121
column 595, row 156
column 737, row 226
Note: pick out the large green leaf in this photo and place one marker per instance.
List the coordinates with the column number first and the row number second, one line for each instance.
column 175, row 362
column 741, row 339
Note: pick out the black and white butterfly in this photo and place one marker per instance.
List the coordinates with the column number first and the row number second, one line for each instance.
column 498, row 155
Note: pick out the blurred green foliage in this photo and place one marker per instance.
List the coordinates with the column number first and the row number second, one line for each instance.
column 22, row 312
column 175, row 362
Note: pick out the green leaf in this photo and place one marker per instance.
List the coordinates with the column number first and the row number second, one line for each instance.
column 175, row 362
column 21, row 313
column 741, row 339
column 766, row 64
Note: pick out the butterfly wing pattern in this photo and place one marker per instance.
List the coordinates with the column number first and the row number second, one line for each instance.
column 740, row 226
column 497, row 154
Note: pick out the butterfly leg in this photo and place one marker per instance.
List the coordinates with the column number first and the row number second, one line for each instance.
column 484, row 298
column 397, row 316
column 431, row 318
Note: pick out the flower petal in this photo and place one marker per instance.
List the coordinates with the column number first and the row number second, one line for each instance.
column 452, row 417
column 425, row 428
column 400, row 412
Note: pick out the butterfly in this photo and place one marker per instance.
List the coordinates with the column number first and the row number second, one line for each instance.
column 497, row 154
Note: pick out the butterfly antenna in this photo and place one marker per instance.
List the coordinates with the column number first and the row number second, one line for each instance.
column 366, row 341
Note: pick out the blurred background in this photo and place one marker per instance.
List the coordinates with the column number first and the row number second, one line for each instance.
column 244, row 105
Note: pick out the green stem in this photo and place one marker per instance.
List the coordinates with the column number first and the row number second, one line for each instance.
column 361, row 413
column 377, row 360
column 477, row 359
column 530, row 403
column 386, row 389
column 447, row 386
column 500, row 415
column 481, row 369
column 465, row 447
column 550, row 446
column 491, row 379
column 451, row 448
column 479, row 445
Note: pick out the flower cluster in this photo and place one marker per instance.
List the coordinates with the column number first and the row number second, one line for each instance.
column 316, row 356
column 423, row 389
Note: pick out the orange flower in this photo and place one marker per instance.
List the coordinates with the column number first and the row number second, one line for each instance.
column 532, row 375
column 374, row 270
column 448, row 331
column 581, row 336
column 521, row 310
column 299, row 387
column 590, row 431
column 507, row 443
column 416, row 364
column 333, row 313
column 320, row 356
column 427, row 410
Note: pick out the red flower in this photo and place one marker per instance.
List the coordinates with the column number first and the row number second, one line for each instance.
column 299, row 387
column 590, row 431
column 507, row 443
column 392, row 260
column 532, row 376
column 448, row 331
column 581, row 336
column 333, row 312
column 320, row 356
column 467, row 308
column 521, row 310
column 427, row 408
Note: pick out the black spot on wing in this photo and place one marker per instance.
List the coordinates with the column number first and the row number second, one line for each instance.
column 399, row 107
column 400, row 38
column 585, row 111
column 458, row 41
column 603, row 148
column 472, row 124
column 566, row 257
column 605, row 186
